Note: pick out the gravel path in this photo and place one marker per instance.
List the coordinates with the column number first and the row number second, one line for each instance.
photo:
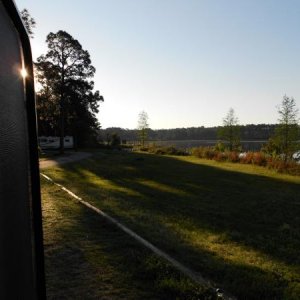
column 63, row 159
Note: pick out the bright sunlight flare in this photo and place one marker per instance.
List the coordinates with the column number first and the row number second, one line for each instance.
column 23, row 72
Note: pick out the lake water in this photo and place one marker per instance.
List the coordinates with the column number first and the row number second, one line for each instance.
column 184, row 144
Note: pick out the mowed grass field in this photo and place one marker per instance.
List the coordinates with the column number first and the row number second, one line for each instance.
column 238, row 225
column 88, row 258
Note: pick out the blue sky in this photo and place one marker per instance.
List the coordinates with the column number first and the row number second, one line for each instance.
column 185, row 62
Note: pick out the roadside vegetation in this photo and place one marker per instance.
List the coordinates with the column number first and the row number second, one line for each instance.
column 259, row 158
column 264, row 158
column 236, row 224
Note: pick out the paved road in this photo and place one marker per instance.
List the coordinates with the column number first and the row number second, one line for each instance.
column 70, row 157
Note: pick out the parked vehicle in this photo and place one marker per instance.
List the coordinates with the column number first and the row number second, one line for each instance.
column 52, row 142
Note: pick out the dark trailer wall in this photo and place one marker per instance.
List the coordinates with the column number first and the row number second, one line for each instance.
column 21, row 250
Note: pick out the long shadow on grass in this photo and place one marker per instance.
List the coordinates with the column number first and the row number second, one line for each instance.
column 87, row 258
column 157, row 192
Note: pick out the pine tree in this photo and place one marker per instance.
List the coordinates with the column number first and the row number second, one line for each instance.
column 66, row 94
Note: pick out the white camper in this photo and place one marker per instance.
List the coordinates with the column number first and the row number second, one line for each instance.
column 52, row 142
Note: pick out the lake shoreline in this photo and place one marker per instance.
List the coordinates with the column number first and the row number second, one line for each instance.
column 247, row 145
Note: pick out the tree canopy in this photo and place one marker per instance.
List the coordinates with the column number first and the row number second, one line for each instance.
column 287, row 132
column 143, row 126
column 29, row 21
column 230, row 132
column 66, row 102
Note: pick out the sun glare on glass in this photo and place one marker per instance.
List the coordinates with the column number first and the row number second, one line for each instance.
column 23, row 72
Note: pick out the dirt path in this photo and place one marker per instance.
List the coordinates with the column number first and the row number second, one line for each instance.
column 71, row 157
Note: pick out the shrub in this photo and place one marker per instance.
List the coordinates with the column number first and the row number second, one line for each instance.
column 170, row 150
column 209, row 153
column 233, row 157
column 144, row 149
column 259, row 159
column 271, row 147
column 203, row 152
column 289, row 167
column 115, row 141
column 220, row 156
column 220, row 147
column 256, row 158
column 247, row 159
column 195, row 152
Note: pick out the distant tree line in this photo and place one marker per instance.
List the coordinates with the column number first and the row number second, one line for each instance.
column 247, row 132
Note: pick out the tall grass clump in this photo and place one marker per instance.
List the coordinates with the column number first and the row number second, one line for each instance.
column 255, row 158
column 212, row 153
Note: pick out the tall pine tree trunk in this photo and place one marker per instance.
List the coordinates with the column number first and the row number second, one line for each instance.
column 62, row 114
column 62, row 130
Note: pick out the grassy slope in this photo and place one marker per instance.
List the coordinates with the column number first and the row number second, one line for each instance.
column 237, row 224
column 87, row 258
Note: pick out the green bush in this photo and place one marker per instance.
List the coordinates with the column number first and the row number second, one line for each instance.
column 169, row 150
column 220, row 147
column 204, row 152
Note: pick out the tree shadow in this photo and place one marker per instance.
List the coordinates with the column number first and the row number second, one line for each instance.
column 257, row 213
column 87, row 258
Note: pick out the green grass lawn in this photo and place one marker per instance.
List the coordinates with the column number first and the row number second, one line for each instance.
column 239, row 225
column 88, row 258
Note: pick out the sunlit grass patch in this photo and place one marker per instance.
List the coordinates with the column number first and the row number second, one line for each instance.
column 162, row 187
column 107, row 184
column 242, row 168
